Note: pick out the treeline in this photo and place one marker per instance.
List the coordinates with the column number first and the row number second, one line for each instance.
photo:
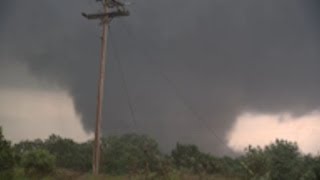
column 138, row 155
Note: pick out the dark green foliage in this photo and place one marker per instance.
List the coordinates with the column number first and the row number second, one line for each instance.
column 189, row 157
column 280, row 160
column 231, row 167
column 314, row 166
column 186, row 156
column 130, row 153
column 26, row 146
column 6, row 158
column 311, row 166
column 284, row 160
column 255, row 162
column 69, row 154
column 38, row 163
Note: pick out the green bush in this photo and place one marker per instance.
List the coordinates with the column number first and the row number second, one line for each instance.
column 186, row 156
column 129, row 153
column 255, row 161
column 6, row 158
column 280, row 160
column 38, row 163
column 69, row 154
column 189, row 157
column 284, row 160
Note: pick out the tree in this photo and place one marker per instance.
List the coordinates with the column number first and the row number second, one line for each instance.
column 6, row 158
column 25, row 146
column 315, row 166
column 310, row 168
column 69, row 154
column 284, row 160
column 255, row 161
column 189, row 157
column 234, row 167
column 129, row 153
column 186, row 156
column 38, row 163
column 280, row 160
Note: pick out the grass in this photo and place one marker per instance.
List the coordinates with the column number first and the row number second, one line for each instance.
column 62, row 174
column 173, row 176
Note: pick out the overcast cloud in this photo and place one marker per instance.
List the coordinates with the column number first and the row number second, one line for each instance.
column 225, row 57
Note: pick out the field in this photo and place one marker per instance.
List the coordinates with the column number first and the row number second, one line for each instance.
column 62, row 174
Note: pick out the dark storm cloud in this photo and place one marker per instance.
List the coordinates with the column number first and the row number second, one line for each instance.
column 224, row 56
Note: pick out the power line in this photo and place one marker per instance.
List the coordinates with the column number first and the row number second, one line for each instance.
column 124, row 83
column 195, row 113
column 180, row 96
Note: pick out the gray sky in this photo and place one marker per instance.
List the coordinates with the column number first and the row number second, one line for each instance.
column 225, row 57
column 32, row 108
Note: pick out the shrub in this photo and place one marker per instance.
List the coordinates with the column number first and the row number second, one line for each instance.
column 284, row 160
column 6, row 158
column 69, row 154
column 38, row 163
column 189, row 157
column 130, row 153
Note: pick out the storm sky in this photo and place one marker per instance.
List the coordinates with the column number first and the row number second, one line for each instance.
column 228, row 61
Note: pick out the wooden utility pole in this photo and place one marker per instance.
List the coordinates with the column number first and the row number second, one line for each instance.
column 108, row 14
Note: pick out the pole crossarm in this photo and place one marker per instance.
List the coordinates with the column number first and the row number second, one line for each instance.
column 110, row 15
column 114, row 3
